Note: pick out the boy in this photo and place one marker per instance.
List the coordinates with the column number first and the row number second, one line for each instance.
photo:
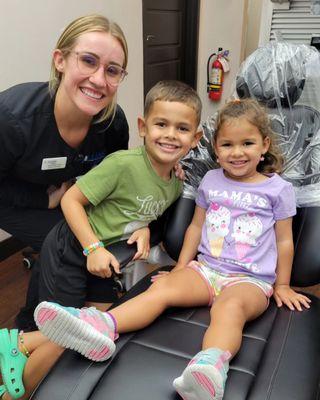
column 118, row 199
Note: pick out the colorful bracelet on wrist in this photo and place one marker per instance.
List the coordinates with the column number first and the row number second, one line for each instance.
column 91, row 248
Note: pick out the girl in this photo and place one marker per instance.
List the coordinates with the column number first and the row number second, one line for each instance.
column 52, row 132
column 242, row 231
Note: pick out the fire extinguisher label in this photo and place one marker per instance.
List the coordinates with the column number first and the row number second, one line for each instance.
column 225, row 64
column 216, row 76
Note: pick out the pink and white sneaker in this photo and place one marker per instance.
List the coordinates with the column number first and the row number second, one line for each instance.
column 205, row 376
column 88, row 331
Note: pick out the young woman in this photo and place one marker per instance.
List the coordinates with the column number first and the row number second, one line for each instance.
column 52, row 132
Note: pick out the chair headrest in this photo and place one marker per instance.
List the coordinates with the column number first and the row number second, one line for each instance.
column 274, row 74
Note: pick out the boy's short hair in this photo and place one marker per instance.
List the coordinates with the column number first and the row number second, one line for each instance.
column 171, row 90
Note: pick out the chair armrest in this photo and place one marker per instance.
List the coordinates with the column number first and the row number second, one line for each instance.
column 179, row 218
column 124, row 252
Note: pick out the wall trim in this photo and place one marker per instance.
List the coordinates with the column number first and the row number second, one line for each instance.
column 265, row 22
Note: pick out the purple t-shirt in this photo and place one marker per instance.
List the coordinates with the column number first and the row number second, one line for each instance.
column 238, row 235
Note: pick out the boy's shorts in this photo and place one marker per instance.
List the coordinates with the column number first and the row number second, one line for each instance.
column 217, row 281
column 64, row 277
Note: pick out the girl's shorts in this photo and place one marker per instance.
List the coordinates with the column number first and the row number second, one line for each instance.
column 217, row 281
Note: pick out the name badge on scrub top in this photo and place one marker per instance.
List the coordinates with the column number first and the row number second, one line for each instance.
column 53, row 163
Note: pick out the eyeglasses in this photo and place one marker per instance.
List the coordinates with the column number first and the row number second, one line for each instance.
column 88, row 64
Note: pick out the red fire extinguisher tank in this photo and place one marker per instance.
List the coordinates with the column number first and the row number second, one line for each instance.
column 216, row 80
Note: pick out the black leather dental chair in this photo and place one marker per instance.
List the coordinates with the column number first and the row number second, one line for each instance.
column 280, row 354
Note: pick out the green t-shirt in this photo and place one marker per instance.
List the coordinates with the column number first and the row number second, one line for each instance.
column 125, row 194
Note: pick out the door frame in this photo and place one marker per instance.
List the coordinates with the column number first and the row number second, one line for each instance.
column 192, row 13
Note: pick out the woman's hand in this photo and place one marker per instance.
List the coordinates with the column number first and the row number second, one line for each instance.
column 55, row 194
column 99, row 261
column 142, row 238
column 283, row 294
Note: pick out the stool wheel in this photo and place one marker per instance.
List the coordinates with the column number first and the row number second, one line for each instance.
column 29, row 258
column 28, row 262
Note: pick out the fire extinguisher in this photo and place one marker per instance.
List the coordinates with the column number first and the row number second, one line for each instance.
column 215, row 74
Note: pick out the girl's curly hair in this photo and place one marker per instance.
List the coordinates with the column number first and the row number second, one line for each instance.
column 257, row 116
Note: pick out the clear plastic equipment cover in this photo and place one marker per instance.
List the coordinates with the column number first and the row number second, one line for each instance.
column 285, row 78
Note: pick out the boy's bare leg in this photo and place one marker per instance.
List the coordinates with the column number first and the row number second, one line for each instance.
column 231, row 310
column 182, row 288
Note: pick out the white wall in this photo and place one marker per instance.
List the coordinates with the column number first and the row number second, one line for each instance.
column 221, row 25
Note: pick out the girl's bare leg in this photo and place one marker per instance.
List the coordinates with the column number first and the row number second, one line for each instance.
column 182, row 288
column 231, row 310
column 43, row 355
column 206, row 375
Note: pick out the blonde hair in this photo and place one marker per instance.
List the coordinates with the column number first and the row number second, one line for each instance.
column 257, row 116
column 67, row 41
column 172, row 90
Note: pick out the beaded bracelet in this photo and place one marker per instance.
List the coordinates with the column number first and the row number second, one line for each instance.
column 91, row 248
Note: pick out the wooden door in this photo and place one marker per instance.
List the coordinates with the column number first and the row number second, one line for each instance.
column 170, row 41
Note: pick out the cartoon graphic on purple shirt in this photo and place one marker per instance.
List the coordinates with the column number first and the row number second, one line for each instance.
column 217, row 223
column 246, row 230
column 238, row 235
